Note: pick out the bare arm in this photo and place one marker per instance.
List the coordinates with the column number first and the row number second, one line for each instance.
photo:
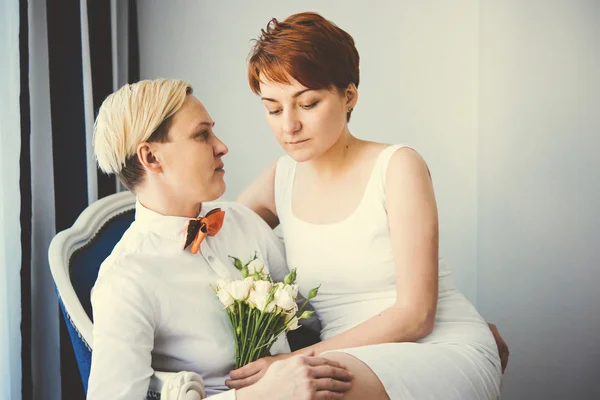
column 259, row 196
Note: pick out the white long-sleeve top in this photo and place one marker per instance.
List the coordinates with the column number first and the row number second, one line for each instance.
column 154, row 307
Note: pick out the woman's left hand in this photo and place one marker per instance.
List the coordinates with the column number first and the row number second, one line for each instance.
column 502, row 346
column 251, row 373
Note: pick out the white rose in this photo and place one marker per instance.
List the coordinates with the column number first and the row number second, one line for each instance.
column 293, row 324
column 291, row 289
column 255, row 265
column 292, row 312
column 250, row 281
column 259, row 299
column 284, row 299
column 294, row 291
column 270, row 308
column 225, row 298
column 222, row 283
column 263, row 286
column 252, row 298
column 239, row 290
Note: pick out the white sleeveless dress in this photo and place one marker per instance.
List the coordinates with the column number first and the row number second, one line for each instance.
column 352, row 260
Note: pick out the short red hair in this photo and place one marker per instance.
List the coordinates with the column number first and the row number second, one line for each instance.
column 307, row 47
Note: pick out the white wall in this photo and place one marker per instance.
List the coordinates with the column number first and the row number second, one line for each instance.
column 418, row 86
column 539, row 192
column 502, row 98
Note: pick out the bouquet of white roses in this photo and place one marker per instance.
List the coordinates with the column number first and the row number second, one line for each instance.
column 259, row 309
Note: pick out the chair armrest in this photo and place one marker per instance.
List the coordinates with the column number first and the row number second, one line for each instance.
column 158, row 380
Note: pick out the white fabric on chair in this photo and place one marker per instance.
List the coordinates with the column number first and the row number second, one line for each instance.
column 183, row 386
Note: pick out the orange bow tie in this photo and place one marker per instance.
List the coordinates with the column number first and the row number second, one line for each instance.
column 200, row 227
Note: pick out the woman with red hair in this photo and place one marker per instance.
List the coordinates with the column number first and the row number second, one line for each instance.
column 360, row 219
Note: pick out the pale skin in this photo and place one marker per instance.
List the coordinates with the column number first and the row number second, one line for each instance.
column 331, row 176
column 182, row 173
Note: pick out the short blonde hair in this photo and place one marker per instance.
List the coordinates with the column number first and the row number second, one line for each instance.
column 134, row 114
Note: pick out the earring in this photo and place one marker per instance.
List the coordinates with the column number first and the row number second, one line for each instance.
column 350, row 109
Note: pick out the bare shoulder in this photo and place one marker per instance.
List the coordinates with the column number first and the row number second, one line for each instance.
column 407, row 163
column 408, row 181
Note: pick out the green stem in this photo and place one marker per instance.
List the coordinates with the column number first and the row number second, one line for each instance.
column 247, row 323
column 260, row 345
column 249, row 339
column 233, row 319
column 237, row 348
column 256, row 321
column 240, row 336
column 302, row 308
column 254, row 325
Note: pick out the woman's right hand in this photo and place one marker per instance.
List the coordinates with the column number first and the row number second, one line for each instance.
column 300, row 377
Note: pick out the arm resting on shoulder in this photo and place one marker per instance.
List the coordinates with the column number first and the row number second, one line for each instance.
column 259, row 196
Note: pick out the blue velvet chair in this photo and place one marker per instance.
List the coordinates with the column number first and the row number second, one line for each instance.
column 75, row 256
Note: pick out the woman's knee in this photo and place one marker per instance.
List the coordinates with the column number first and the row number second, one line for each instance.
column 365, row 384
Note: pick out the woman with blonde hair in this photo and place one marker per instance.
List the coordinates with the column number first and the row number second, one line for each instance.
column 153, row 303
